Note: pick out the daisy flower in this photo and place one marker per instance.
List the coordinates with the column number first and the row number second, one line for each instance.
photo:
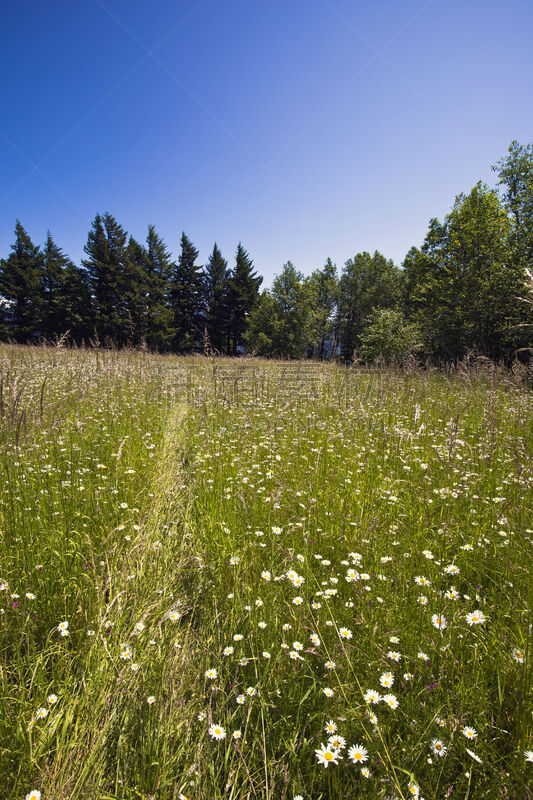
column 391, row 701
column 33, row 795
column 217, row 731
column 439, row 622
column 237, row 734
column 365, row 772
column 475, row 618
column 470, row 733
column 52, row 699
column 330, row 665
column 394, row 656
column 371, row 696
column 327, row 755
column 518, row 655
column 330, row 726
column 438, row 747
column 211, row 673
column 345, row 633
column 150, row 700
column 328, row 692
column 387, row 680
column 529, row 755
column 357, row 753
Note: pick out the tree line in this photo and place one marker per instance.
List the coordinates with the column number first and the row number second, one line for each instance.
column 464, row 289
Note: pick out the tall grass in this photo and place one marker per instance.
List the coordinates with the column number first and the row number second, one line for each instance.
column 225, row 541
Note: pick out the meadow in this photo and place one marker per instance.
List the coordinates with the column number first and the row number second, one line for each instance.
column 249, row 580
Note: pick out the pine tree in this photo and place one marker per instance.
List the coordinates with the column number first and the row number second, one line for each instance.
column 134, row 292
column 216, row 299
column 21, row 283
column 243, row 295
column 187, row 299
column 159, row 268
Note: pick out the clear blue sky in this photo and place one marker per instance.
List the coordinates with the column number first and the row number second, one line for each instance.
column 304, row 128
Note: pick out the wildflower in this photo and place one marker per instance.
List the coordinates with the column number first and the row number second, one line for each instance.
column 150, row 700
column 372, row 696
column 330, row 665
column 33, row 795
column 345, row 633
column 420, row 580
column 126, row 652
column 298, row 601
column 139, row 627
column 408, row 676
column 358, row 754
column 157, row 546
column 423, row 656
column 439, row 622
column 234, row 560
column 529, row 755
column 134, row 667
column 365, row 772
column 201, row 716
column 330, row 726
column 414, row 790
column 41, row 713
column 251, row 691
column 52, row 699
column 372, row 717
column 394, row 656
column 387, row 680
column 237, row 734
column 451, row 569
column 265, row 654
column 211, row 674
column 328, row 692
column 30, row 595
column 475, row 618
column 474, row 756
column 452, row 593
column 228, row 651
column 266, row 575
column 217, row 731
column 315, row 639
column 393, row 639
column 518, row 655
column 338, row 742
column 294, row 654
column 31, row 723
column 327, row 755
column 241, row 699
column 63, row 628
column 391, row 701
column 298, row 645
column 237, row 637
column 243, row 661
column 422, row 599
column 470, row 733
column 438, row 747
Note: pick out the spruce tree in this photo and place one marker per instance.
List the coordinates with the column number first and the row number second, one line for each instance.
column 75, row 305
column 243, row 294
column 187, row 299
column 116, row 281
column 216, row 299
column 21, row 285
column 159, row 268
column 53, row 312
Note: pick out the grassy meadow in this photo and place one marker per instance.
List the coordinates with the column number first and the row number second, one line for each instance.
column 263, row 580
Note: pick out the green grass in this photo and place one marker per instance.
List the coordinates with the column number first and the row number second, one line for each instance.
column 161, row 504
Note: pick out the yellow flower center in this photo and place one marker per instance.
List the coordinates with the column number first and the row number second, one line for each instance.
column 328, row 756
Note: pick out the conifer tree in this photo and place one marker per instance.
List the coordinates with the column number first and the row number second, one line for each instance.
column 114, row 281
column 21, row 280
column 53, row 311
column 187, row 299
column 75, row 305
column 243, row 294
column 216, row 299
column 159, row 268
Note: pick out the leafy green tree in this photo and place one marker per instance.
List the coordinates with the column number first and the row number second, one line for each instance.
column 367, row 283
column 243, row 295
column 292, row 297
column 262, row 337
column 387, row 336
column 323, row 298
column 187, row 299
column 463, row 286
column 515, row 172
column 21, row 284
column 217, row 315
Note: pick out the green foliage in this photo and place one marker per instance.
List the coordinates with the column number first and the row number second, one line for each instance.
column 243, row 295
column 367, row 283
column 323, row 295
column 187, row 299
column 217, row 302
column 515, row 172
column 21, row 276
column 389, row 338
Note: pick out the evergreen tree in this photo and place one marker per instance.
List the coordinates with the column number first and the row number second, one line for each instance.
column 187, row 299
column 21, row 283
column 134, row 294
column 53, row 313
column 116, row 281
column 159, row 266
column 243, row 294
column 216, row 299
column 75, row 305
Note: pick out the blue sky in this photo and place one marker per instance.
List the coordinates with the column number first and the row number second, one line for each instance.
column 303, row 128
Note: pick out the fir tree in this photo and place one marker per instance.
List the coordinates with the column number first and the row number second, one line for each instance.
column 187, row 299
column 216, row 299
column 53, row 313
column 21, row 280
column 243, row 294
